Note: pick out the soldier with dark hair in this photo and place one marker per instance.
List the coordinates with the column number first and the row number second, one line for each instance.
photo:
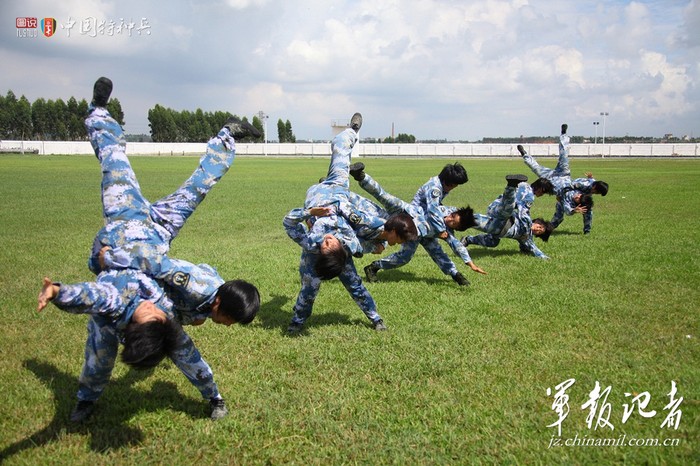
column 133, row 244
column 508, row 216
column 557, row 181
column 324, row 229
column 434, row 221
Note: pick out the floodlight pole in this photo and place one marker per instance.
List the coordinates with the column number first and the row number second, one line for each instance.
column 604, row 115
column 595, row 125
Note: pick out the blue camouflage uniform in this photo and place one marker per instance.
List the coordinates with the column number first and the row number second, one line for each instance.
column 566, row 205
column 518, row 224
column 564, row 187
column 139, row 233
column 428, row 214
column 332, row 191
column 585, row 185
column 111, row 302
column 498, row 213
column 560, row 176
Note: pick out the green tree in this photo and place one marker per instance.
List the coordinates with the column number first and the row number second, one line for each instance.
column 7, row 105
column 289, row 133
column 405, row 138
column 162, row 124
column 115, row 109
column 76, row 129
column 217, row 120
column 40, row 119
column 200, row 131
column 257, row 123
column 281, row 131
column 22, row 119
column 58, row 112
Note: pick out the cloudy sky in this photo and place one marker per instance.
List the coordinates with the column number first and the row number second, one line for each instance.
column 437, row 69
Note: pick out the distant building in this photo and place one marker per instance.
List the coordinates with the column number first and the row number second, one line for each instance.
column 338, row 126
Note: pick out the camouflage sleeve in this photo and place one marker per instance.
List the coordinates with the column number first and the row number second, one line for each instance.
column 90, row 298
column 528, row 246
column 583, row 184
column 524, row 197
column 458, row 248
column 434, row 214
column 294, row 227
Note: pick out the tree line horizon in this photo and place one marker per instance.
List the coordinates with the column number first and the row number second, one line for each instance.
column 59, row 120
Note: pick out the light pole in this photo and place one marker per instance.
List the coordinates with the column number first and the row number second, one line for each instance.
column 263, row 117
column 604, row 115
column 595, row 125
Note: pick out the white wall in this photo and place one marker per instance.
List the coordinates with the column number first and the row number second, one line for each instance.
column 402, row 150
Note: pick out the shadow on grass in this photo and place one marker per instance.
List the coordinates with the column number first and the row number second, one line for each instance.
column 477, row 252
column 567, row 233
column 273, row 315
column 107, row 427
column 396, row 275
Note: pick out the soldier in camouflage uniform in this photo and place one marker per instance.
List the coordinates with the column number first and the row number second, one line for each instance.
column 119, row 302
column 432, row 219
column 319, row 227
column 137, row 236
column 514, row 221
column 562, row 185
column 560, row 176
column 574, row 202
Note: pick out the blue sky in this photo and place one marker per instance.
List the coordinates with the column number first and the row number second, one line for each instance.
column 456, row 70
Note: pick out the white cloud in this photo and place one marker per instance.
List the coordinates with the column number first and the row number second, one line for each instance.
column 437, row 68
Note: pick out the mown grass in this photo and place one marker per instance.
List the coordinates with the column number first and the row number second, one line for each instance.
column 461, row 375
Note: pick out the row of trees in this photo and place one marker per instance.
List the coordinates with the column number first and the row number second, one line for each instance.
column 47, row 120
column 168, row 125
column 58, row 120
column 402, row 138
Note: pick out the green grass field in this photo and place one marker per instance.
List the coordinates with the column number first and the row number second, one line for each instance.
column 460, row 377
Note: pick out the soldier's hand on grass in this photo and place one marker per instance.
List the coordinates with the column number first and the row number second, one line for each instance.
column 476, row 268
column 580, row 209
column 47, row 293
column 589, row 175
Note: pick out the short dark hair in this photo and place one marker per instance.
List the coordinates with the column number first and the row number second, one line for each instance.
column 600, row 187
column 466, row 218
column 544, row 185
column 403, row 225
column 146, row 344
column 239, row 300
column 453, row 174
column 586, row 200
column 330, row 264
column 548, row 228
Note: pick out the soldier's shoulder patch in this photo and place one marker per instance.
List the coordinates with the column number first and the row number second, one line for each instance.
column 181, row 279
column 354, row 218
column 435, row 192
